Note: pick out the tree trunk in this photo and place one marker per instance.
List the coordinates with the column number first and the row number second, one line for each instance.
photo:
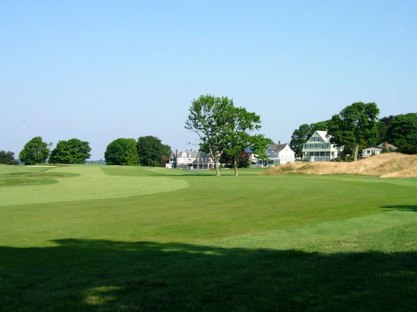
column 356, row 152
column 235, row 167
column 216, row 165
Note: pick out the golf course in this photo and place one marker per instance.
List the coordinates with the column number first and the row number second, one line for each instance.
column 131, row 238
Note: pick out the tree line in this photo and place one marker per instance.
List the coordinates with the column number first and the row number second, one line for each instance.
column 146, row 151
column 358, row 126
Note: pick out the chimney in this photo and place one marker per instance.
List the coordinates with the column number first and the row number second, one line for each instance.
column 279, row 142
column 176, row 153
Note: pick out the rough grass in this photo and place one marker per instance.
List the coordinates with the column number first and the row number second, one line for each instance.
column 389, row 165
column 206, row 243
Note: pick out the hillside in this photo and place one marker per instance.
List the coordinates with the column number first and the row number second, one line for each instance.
column 392, row 165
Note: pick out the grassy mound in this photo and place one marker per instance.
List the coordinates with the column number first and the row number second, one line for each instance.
column 392, row 165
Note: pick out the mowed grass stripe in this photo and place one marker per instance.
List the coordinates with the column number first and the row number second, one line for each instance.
column 91, row 183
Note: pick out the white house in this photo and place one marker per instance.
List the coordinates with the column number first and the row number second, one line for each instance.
column 367, row 152
column 278, row 154
column 190, row 160
column 370, row 151
column 319, row 148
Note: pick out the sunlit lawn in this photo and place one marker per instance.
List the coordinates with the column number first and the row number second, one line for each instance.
column 131, row 239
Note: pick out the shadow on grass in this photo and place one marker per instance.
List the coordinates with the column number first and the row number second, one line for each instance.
column 401, row 207
column 98, row 275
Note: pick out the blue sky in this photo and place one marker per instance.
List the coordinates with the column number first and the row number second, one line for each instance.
column 100, row 70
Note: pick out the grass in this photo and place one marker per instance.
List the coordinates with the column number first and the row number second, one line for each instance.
column 97, row 238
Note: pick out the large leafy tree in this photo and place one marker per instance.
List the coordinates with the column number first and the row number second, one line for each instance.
column 239, row 135
column 34, row 152
column 152, row 152
column 7, row 158
column 402, row 132
column 355, row 126
column 122, row 152
column 73, row 151
column 211, row 118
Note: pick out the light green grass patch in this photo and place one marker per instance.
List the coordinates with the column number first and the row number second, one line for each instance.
column 76, row 183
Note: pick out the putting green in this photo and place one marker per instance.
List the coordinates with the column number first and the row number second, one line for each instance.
column 74, row 183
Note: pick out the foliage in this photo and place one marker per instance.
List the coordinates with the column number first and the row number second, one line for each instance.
column 34, row 152
column 152, row 152
column 122, row 152
column 242, row 161
column 355, row 126
column 402, row 132
column 383, row 126
column 210, row 117
column 239, row 136
column 224, row 128
column 73, row 151
column 7, row 158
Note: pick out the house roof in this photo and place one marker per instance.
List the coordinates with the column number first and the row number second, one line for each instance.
column 277, row 147
column 323, row 135
column 372, row 149
column 388, row 146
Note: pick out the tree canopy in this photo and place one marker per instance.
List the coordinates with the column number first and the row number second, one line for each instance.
column 152, row 152
column 34, row 152
column 122, row 152
column 223, row 128
column 239, row 135
column 402, row 132
column 210, row 117
column 73, row 151
column 355, row 126
column 7, row 158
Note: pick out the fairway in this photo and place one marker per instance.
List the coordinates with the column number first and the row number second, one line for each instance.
column 111, row 238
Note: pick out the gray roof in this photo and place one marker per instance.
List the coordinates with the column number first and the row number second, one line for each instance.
column 277, row 147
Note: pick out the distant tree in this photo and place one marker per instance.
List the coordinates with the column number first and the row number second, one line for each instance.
column 239, row 135
column 383, row 126
column 210, row 117
column 73, row 151
column 402, row 132
column 34, row 152
column 152, row 152
column 355, row 126
column 7, row 158
column 122, row 152
column 303, row 134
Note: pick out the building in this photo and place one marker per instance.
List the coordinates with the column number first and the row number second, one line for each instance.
column 191, row 160
column 370, row 151
column 319, row 148
column 278, row 154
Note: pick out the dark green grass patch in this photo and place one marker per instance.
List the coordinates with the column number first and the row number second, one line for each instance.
column 32, row 178
column 99, row 275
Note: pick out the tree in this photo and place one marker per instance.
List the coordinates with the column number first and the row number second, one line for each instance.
column 34, row 152
column 7, row 158
column 239, row 137
column 402, row 132
column 122, row 152
column 152, row 152
column 73, row 151
column 210, row 117
column 355, row 126
column 383, row 126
